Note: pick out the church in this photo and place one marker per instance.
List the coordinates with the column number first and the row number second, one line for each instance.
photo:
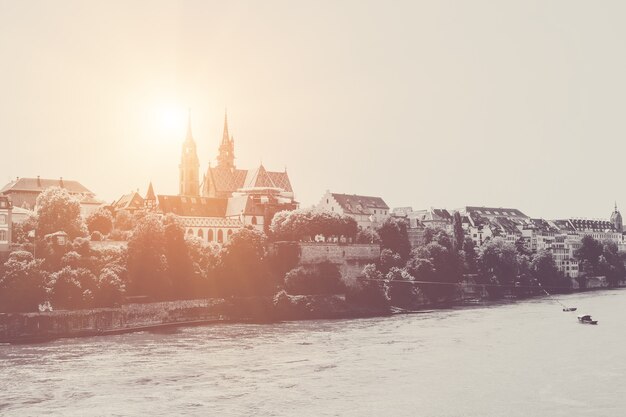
column 228, row 198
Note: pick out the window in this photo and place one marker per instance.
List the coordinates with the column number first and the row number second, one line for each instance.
column 3, row 219
column 253, row 219
column 220, row 236
column 190, row 232
column 201, row 233
column 3, row 235
column 210, row 235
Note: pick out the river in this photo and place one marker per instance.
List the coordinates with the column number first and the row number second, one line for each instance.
column 522, row 359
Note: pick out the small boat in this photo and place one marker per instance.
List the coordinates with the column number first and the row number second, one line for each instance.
column 569, row 308
column 586, row 319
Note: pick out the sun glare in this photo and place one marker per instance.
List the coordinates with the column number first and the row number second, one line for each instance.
column 171, row 120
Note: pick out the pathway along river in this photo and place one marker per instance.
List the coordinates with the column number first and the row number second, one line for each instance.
column 522, row 359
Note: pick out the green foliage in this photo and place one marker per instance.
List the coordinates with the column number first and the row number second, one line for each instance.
column 306, row 224
column 394, row 236
column 498, row 265
column 100, row 221
column 457, row 227
column 600, row 259
column 370, row 290
column 59, row 211
column 180, row 268
column 123, row 220
column 243, row 265
column 96, row 236
column 402, row 292
column 72, row 288
column 21, row 230
column 469, row 255
column 388, row 260
column 367, row 236
column 147, row 264
column 22, row 286
column 323, row 278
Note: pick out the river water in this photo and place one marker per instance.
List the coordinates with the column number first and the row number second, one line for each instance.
column 523, row 359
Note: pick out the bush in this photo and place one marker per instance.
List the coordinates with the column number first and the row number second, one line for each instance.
column 96, row 236
column 323, row 278
column 21, row 283
column 100, row 221
column 370, row 290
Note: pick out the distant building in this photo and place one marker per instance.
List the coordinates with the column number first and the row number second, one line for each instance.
column 23, row 192
column 130, row 202
column 5, row 224
column 369, row 212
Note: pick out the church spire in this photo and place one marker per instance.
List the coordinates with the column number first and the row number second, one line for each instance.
column 189, row 136
column 226, row 155
column 225, row 135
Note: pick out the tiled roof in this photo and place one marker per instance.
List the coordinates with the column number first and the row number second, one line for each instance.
column 227, row 180
column 40, row 184
column 564, row 225
column 495, row 211
column 359, row 204
column 192, row 206
column 129, row 201
column 209, row 222
column 507, row 225
column 588, row 225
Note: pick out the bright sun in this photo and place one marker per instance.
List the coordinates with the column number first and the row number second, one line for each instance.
column 172, row 120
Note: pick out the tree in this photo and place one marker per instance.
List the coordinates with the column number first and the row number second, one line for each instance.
column 393, row 234
column 243, row 267
column 323, row 278
column 589, row 255
column 179, row 263
column 544, row 269
column 402, row 292
column 498, row 265
column 370, row 290
column 306, row 224
column 469, row 255
column 59, row 211
column 123, row 220
column 367, row 236
column 437, row 262
column 72, row 288
column 21, row 230
column 100, row 221
column 611, row 263
column 22, row 286
column 457, row 227
column 147, row 264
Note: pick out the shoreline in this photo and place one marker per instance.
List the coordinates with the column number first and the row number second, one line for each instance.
column 26, row 328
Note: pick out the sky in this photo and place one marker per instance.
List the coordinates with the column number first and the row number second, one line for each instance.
column 424, row 103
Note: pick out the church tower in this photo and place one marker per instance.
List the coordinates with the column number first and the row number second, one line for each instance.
column 226, row 156
column 616, row 219
column 189, row 166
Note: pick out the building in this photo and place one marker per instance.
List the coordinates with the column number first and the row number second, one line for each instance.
column 6, row 222
column 23, row 192
column 225, row 179
column 130, row 202
column 369, row 212
column 227, row 199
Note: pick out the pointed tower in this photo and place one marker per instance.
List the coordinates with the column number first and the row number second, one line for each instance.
column 150, row 201
column 226, row 156
column 189, row 165
column 616, row 219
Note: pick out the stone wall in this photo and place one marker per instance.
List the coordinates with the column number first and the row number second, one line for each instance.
column 350, row 258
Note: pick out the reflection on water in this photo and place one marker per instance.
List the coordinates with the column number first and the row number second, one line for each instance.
column 522, row 359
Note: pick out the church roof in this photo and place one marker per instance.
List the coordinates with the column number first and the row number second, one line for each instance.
column 231, row 180
column 150, row 194
column 359, row 204
column 190, row 206
column 40, row 184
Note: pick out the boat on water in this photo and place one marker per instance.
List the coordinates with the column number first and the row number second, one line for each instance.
column 569, row 308
column 586, row 319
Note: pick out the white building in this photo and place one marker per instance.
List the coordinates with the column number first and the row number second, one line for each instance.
column 369, row 212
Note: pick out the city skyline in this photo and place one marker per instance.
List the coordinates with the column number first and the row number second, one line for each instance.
column 432, row 110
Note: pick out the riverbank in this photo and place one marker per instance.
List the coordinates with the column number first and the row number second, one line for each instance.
column 46, row 326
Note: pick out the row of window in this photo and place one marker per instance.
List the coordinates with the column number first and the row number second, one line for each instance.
column 211, row 236
column 3, row 236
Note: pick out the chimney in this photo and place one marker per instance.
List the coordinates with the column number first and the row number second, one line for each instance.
column 38, row 181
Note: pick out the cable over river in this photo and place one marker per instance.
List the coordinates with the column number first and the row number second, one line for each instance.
column 523, row 359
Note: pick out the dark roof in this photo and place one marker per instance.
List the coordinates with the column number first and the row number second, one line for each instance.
column 358, row 204
column 507, row 225
column 564, row 225
column 588, row 225
column 190, row 206
column 442, row 214
column 40, row 184
column 542, row 226
column 150, row 194
column 495, row 211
